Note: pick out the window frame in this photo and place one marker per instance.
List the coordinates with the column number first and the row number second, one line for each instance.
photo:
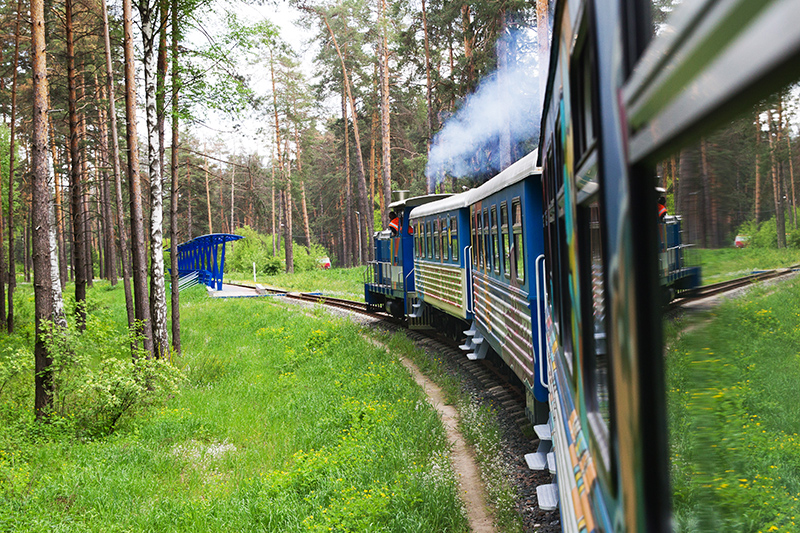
column 517, row 240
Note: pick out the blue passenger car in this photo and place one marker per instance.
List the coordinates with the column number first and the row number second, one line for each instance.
column 506, row 264
column 441, row 257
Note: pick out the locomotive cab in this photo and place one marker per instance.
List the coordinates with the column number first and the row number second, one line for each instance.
column 390, row 276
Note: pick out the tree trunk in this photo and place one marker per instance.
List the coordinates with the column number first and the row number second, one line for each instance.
column 348, row 234
column 233, row 186
column 189, row 223
column 208, row 198
column 469, row 43
column 76, row 179
column 112, row 114
column 758, row 167
column 272, row 194
column 43, row 295
column 428, row 87
column 386, row 139
column 306, row 225
column 777, row 191
column 173, row 219
column 142, row 307
column 108, row 225
column 543, row 38
column 362, row 179
column 8, row 317
column 158, row 303
column 373, row 138
column 62, row 257
column 791, row 178
column 710, row 197
column 288, row 241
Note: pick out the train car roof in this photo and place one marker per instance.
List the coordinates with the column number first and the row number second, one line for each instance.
column 418, row 200
column 513, row 174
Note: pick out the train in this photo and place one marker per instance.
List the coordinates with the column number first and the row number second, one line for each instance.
column 557, row 267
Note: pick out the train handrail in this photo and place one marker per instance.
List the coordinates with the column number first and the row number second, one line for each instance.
column 539, row 316
column 470, row 284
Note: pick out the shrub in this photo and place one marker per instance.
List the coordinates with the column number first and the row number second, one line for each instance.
column 273, row 265
column 96, row 383
column 257, row 248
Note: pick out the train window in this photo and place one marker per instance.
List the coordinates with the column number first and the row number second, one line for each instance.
column 476, row 238
column 582, row 97
column 436, row 238
column 495, row 244
column 504, row 240
column 518, row 254
column 454, row 237
column 420, row 238
column 429, row 240
column 445, row 241
column 487, row 251
column 595, row 357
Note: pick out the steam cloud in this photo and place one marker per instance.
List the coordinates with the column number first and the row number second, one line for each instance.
column 505, row 103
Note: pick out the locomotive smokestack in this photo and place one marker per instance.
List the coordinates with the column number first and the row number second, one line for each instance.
column 399, row 196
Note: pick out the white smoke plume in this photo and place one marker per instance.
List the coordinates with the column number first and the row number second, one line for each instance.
column 505, row 103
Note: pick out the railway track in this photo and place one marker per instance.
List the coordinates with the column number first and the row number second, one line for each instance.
column 726, row 286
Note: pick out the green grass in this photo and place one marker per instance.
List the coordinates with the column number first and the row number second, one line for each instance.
column 734, row 415
column 729, row 263
column 337, row 282
column 479, row 426
column 287, row 421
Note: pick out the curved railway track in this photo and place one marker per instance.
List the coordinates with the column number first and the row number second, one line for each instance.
column 714, row 289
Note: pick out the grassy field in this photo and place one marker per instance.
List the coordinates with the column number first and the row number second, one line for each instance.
column 338, row 282
column 279, row 421
column 729, row 263
column 734, row 415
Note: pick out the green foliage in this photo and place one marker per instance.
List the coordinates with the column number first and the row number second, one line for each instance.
column 273, row 265
column 728, row 263
column 286, row 423
column 733, row 416
column 257, row 248
column 95, row 381
column 341, row 282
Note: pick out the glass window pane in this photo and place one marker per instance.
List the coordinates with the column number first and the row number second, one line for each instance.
column 454, row 237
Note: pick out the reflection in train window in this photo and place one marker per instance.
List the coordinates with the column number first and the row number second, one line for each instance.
column 429, row 240
column 504, row 241
column 486, row 244
column 436, row 238
column 518, row 247
column 495, row 243
column 443, row 237
column 474, row 233
column 597, row 356
column 454, row 237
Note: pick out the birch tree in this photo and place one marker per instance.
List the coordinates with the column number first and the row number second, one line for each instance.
column 40, row 216
column 141, row 300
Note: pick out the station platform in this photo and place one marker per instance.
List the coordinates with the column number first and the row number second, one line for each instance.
column 238, row 291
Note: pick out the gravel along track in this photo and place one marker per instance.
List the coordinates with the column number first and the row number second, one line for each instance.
column 484, row 388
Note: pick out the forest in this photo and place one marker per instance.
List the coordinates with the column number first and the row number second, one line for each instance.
column 106, row 161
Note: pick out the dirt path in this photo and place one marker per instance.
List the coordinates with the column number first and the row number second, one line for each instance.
column 461, row 457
